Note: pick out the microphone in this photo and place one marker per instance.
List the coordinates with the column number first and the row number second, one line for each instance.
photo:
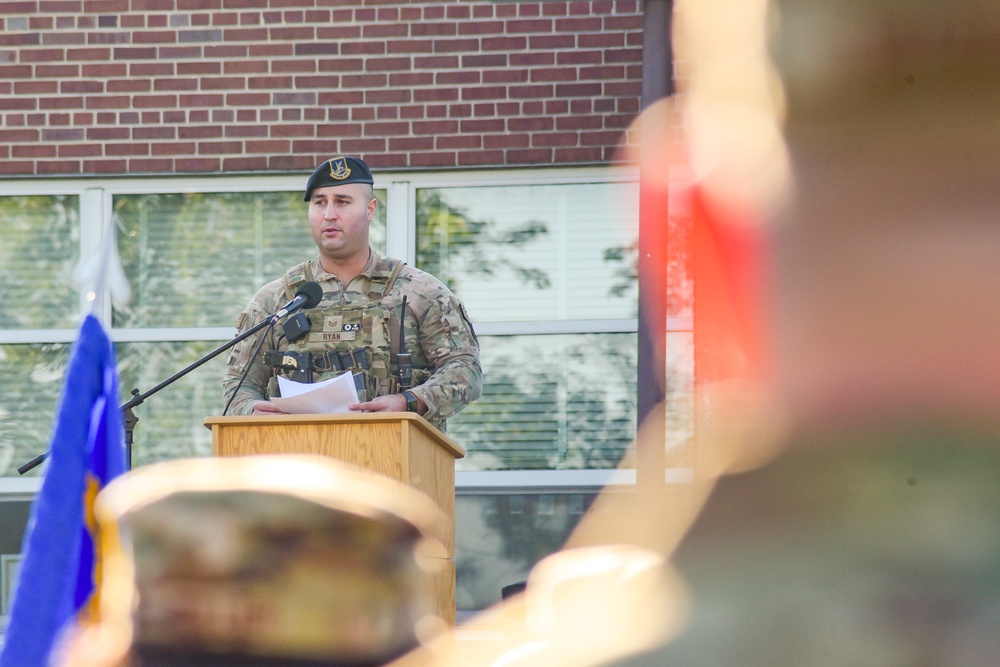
column 307, row 296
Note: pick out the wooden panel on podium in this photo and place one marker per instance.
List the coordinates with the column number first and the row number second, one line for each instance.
column 399, row 445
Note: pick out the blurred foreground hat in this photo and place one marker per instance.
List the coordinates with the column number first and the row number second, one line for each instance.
column 291, row 560
column 339, row 171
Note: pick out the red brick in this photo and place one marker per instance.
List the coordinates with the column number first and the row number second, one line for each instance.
column 552, row 42
column 132, row 148
column 361, row 48
column 108, row 102
column 532, row 59
column 357, row 146
column 532, row 91
column 384, row 30
column 39, row 87
column 553, row 74
column 245, row 67
column 481, row 28
column 623, row 55
column 302, row 66
column 248, row 99
column 63, row 135
column 458, row 77
column 247, row 164
column 42, row 55
column 200, row 100
column 174, row 148
column 61, row 102
column 345, row 97
column 554, row 140
column 578, row 155
column 623, row 88
column 386, row 129
column 505, row 43
column 529, row 156
column 599, row 138
column 578, row 24
column 435, row 62
column 459, row 110
column 578, row 89
column 397, row 46
column 449, row 142
column 219, row 147
column 165, row 133
column 14, row 136
column 15, row 71
column 129, row 86
column 79, row 150
column 483, row 126
column 512, row 140
column 33, row 151
column 339, row 130
column 272, row 82
column 64, row 38
column 540, row 124
column 485, row 93
column 268, row 146
column 528, row 9
column 62, row 167
column 270, row 50
column 59, row 71
column 199, row 132
column 364, row 81
column 578, row 57
column 103, row 70
column 433, row 127
column 424, row 143
column 150, row 166
column 222, row 83
column 154, row 37
column 338, row 32
column 197, row 165
column 409, row 79
column 529, row 25
column 154, row 102
column 202, row 67
column 151, row 69
column 388, row 96
column 600, row 40
column 286, row 131
column 101, row 134
column 432, row 28
column 175, row 84
column 435, row 159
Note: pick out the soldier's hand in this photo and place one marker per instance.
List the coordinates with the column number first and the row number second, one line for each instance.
column 388, row 403
column 267, row 408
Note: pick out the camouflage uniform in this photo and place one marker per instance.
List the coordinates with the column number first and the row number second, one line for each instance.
column 446, row 372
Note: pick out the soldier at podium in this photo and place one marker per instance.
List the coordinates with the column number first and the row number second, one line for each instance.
column 403, row 334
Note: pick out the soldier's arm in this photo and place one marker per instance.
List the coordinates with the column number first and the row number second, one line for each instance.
column 254, row 387
column 449, row 342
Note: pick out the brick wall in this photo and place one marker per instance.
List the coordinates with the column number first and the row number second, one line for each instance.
column 208, row 86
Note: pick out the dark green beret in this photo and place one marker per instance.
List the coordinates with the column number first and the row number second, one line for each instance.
column 339, row 171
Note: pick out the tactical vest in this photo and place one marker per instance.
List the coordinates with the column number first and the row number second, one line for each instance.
column 355, row 337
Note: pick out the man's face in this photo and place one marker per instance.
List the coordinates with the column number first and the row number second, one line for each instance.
column 339, row 217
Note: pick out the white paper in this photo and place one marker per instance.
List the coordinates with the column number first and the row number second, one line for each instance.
column 324, row 398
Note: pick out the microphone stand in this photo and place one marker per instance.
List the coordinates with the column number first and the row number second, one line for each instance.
column 128, row 416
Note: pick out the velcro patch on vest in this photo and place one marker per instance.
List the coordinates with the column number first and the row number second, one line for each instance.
column 337, row 328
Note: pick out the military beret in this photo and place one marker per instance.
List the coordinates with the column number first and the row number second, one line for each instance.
column 339, row 171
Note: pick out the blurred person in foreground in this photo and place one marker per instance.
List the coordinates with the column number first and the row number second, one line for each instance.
column 845, row 507
column 258, row 561
column 433, row 370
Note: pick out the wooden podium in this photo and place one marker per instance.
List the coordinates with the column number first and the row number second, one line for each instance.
column 400, row 445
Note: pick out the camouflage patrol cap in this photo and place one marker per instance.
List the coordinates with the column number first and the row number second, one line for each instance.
column 339, row 171
column 258, row 560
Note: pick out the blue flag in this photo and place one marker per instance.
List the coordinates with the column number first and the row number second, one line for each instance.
column 60, row 572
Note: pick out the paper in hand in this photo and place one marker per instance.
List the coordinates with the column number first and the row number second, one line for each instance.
column 327, row 397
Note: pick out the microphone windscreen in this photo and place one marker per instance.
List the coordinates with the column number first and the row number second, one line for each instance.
column 312, row 292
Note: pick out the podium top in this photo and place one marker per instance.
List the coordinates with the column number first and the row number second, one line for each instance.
column 414, row 420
